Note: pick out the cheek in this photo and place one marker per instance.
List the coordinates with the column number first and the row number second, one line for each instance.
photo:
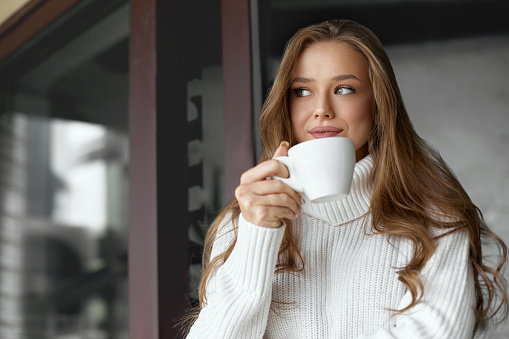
column 360, row 124
column 298, row 117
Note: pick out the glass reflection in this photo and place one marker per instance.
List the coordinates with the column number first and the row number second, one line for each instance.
column 64, row 198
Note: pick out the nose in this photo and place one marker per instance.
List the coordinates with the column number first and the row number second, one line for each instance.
column 323, row 108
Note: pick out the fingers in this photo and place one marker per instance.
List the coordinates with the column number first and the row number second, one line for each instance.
column 265, row 202
column 268, row 168
column 288, row 197
column 271, row 207
column 282, row 150
column 269, row 193
column 269, row 216
column 267, row 211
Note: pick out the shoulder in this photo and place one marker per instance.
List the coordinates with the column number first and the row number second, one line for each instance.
column 443, row 224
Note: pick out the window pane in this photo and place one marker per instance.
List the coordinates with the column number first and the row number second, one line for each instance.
column 64, row 176
column 206, row 155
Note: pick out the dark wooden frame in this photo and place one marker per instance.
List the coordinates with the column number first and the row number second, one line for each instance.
column 158, row 260
column 29, row 21
column 239, row 138
column 159, row 217
column 143, row 284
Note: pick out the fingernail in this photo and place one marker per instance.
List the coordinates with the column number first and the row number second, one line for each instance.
column 284, row 143
column 302, row 201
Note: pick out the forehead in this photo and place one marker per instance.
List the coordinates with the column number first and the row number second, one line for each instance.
column 330, row 58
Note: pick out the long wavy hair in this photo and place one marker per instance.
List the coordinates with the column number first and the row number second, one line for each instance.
column 411, row 183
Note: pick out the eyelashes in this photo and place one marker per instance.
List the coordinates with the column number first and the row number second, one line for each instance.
column 339, row 90
column 343, row 90
column 301, row 92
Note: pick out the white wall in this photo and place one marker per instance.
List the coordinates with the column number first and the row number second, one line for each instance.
column 457, row 95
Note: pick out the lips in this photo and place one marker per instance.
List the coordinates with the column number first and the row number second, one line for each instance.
column 324, row 131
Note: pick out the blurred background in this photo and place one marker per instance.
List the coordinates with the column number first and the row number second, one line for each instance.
column 125, row 125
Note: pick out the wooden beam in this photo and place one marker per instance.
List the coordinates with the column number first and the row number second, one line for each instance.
column 18, row 14
column 143, row 269
column 28, row 22
column 163, row 60
column 239, row 141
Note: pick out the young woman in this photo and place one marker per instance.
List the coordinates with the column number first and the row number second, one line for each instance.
column 400, row 257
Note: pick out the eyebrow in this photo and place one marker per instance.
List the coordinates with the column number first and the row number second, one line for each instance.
column 344, row 77
column 335, row 79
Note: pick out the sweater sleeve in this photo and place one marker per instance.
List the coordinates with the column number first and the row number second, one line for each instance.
column 239, row 292
column 447, row 309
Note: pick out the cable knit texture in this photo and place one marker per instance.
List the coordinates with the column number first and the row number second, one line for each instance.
column 349, row 283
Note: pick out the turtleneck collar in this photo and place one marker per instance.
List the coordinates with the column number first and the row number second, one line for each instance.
column 353, row 206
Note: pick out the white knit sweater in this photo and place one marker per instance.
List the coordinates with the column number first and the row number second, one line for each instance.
column 348, row 285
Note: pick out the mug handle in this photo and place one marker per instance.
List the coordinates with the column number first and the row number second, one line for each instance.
column 289, row 181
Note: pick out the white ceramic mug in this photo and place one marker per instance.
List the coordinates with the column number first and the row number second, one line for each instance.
column 320, row 169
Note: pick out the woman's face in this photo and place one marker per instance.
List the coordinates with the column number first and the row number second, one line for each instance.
column 331, row 95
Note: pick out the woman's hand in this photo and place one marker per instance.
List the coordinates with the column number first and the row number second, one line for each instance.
column 263, row 201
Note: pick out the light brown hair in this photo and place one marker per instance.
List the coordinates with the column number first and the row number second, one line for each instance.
column 411, row 183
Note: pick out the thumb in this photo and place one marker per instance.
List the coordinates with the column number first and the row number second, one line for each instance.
column 282, row 150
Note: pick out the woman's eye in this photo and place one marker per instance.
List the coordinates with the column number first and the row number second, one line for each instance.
column 301, row 92
column 344, row 90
